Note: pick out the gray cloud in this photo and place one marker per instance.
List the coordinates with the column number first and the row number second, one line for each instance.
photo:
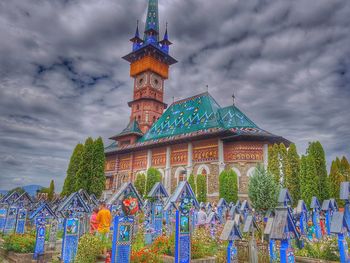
column 62, row 77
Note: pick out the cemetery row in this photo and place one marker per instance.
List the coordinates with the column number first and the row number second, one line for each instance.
column 180, row 214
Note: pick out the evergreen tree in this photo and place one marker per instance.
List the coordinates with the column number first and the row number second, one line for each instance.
column 292, row 171
column 201, row 188
column 85, row 172
column 98, row 182
column 316, row 151
column 335, row 178
column 153, row 177
column 263, row 190
column 309, row 180
column 140, row 183
column 51, row 191
column 273, row 162
column 228, row 185
column 70, row 181
column 283, row 157
column 345, row 168
column 192, row 182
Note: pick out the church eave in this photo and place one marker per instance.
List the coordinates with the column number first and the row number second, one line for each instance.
column 147, row 98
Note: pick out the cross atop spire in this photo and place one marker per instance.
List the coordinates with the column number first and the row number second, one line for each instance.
column 152, row 20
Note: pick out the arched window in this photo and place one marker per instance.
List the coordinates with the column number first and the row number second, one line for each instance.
column 182, row 176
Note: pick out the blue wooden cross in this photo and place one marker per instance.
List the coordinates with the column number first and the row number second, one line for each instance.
column 10, row 223
column 72, row 209
column 340, row 227
column 316, row 207
column 328, row 210
column 231, row 232
column 3, row 214
column 222, row 208
column 128, row 199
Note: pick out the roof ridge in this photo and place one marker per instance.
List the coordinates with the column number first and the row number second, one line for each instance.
column 189, row 98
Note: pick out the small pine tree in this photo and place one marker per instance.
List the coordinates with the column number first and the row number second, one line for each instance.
column 71, row 177
column 315, row 149
column 222, row 187
column 345, row 168
column 273, row 162
column 309, row 179
column 153, row 176
column 140, row 183
column 283, row 157
column 85, row 172
column 228, row 185
column 97, row 183
column 292, row 171
column 192, row 182
column 335, row 178
column 51, row 191
column 263, row 190
column 201, row 188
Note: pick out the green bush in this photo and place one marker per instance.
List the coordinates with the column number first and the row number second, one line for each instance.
column 228, row 186
column 192, row 183
column 326, row 249
column 153, row 177
column 19, row 243
column 140, row 183
column 201, row 188
column 89, row 248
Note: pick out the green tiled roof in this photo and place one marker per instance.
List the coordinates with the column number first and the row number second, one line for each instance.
column 132, row 128
column 196, row 113
column 232, row 117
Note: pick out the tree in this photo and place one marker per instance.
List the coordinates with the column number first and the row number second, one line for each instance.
column 291, row 177
column 228, row 185
column 283, row 158
column 273, row 162
column 309, row 179
column 85, row 172
column 153, row 177
column 192, row 182
column 263, row 190
column 201, row 188
column 344, row 168
column 315, row 150
column 335, row 178
column 140, row 183
column 51, row 191
column 70, row 181
column 97, row 184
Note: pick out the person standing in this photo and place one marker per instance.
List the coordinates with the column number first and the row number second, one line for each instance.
column 93, row 221
column 202, row 218
column 104, row 219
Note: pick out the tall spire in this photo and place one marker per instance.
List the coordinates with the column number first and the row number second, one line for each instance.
column 152, row 20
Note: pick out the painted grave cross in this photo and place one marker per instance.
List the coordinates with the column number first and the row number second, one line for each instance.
column 231, row 232
column 3, row 214
column 23, row 203
column 130, row 201
column 185, row 201
column 41, row 215
column 328, row 209
column 340, row 227
column 11, row 212
column 222, row 208
column 245, row 209
column 157, row 196
column 73, row 209
column 250, row 226
column 316, row 207
column 213, row 220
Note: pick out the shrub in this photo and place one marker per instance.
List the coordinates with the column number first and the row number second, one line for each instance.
column 153, row 177
column 228, row 186
column 20, row 243
column 192, row 183
column 89, row 248
column 140, row 183
column 326, row 249
column 201, row 188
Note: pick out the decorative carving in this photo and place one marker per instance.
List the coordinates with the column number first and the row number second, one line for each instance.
column 140, row 161
column 125, row 163
column 249, row 152
column 205, row 154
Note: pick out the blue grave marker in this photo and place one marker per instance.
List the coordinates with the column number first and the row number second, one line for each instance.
column 302, row 214
column 41, row 215
column 130, row 201
column 244, row 208
column 213, row 220
column 231, row 232
column 184, row 199
column 21, row 221
column 222, row 208
column 170, row 210
column 340, row 227
column 316, row 207
column 328, row 210
column 3, row 214
column 157, row 195
column 272, row 243
column 250, row 226
column 11, row 217
column 73, row 210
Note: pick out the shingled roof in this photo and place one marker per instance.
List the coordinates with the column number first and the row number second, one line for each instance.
column 196, row 116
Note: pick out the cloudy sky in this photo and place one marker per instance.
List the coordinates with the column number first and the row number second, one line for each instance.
column 62, row 77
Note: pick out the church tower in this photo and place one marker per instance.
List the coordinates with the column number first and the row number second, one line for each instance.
column 149, row 67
